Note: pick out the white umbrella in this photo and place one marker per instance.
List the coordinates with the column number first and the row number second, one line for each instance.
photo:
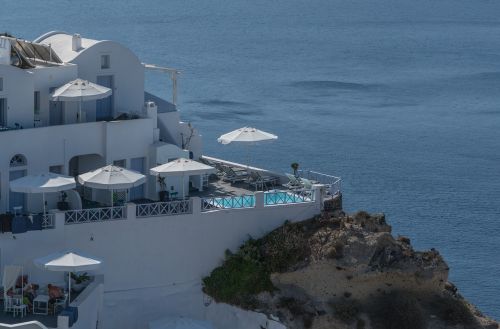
column 43, row 183
column 247, row 136
column 68, row 261
column 181, row 167
column 112, row 178
column 80, row 91
column 179, row 323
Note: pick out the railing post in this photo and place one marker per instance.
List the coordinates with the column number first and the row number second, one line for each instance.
column 59, row 219
column 130, row 210
column 317, row 190
column 196, row 205
column 259, row 200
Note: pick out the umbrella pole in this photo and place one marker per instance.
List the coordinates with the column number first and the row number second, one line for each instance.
column 80, row 111
column 69, row 288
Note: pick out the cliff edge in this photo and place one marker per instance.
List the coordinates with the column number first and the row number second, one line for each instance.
column 343, row 271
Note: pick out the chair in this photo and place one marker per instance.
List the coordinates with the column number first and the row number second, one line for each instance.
column 60, row 302
column 232, row 175
column 293, row 182
column 261, row 182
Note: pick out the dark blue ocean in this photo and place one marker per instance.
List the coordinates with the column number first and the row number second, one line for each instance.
column 400, row 98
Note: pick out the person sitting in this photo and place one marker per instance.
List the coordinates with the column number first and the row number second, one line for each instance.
column 55, row 293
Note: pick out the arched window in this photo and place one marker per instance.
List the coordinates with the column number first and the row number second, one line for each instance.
column 18, row 160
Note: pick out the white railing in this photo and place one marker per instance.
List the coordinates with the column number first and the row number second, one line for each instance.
column 286, row 197
column 95, row 215
column 163, row 208
column 48, row 221
column 228, row 202
column 333, row 183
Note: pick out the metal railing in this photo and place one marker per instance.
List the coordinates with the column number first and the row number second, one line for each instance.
column 95, row 215
column 287, row 197
column 48, row 221
column 228, row 202
column 333, row 183
column 169, row 208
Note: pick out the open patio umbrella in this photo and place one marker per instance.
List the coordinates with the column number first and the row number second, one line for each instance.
column 248, row 136
column 68, row 261
column 181, row 167
column 43, row 183
column 80, row 91
column 112, row 178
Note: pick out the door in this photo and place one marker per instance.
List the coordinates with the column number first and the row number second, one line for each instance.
column 16, row 199
column 104, row 107
column 3, row 112
column 56, row 113
column 137, row 192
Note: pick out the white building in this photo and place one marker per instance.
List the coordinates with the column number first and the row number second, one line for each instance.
column 154, row 253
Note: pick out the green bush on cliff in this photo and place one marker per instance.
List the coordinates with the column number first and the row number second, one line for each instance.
column 246, row 273
column 240, row 278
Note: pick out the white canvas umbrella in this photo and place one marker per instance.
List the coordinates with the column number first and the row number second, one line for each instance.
column 179, row 323
column 68, row 261
column 181, row 167
column 248, row 136
column 112, row 178
column 80, row 91
column 43, row 183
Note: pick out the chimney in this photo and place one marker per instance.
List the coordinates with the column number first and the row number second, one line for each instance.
column 77, row 42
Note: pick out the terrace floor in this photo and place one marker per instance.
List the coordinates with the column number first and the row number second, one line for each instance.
column 49, row 321
column 218, row 187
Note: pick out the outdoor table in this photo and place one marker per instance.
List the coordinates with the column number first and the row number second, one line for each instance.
column 41, row 305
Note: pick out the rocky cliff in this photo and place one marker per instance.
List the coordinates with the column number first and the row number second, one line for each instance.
column 343, row 271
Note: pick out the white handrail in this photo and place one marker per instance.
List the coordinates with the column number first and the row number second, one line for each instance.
column 168, row 208
column 95, row 215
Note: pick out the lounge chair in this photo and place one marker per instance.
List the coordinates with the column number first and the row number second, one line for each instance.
column 233, row 176
column 293, row 182
column 260, row 182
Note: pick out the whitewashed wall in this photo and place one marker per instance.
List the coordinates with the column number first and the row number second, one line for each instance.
column 144, row 259
column 18, row 89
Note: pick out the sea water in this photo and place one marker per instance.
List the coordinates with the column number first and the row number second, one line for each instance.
column 399, row 97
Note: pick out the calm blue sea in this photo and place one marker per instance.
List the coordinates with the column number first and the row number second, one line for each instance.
column 399, row 97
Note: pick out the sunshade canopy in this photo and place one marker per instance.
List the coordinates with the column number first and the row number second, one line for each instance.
column 10, row 275
column 80, row 90
column 112, row 178
column 179, row 323
column 246, row 135
column 42, row 183
column 68, row 261
column 181, row 167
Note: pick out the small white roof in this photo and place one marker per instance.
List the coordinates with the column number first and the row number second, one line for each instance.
column 42, row 183
column 112, row 178
column 68, row 261
column 246, row 135
column 180, row 167
column 80, row 90
column 62, row 42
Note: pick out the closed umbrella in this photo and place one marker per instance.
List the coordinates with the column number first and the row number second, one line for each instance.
column 247, row 136
column 181, row 167
column 68, row 261
column 112, row 178
column 43, row 183
column 80, row 91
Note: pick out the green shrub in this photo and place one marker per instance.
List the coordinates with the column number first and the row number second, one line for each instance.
column 398, row 310
column 452, row 310
column 346, row 310
column 360, row 324
column 240, row 278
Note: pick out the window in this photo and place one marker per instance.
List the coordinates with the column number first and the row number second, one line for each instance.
column 18, row 160
column 120, row 163
column 37, row 102
column 1, row 84
column 105, row 62
column 55, row 169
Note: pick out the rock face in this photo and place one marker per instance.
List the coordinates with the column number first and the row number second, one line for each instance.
column 348, row 271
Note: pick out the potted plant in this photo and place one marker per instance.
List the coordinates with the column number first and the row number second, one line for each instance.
column 295, row 168
column 163, row 187
column 62, row 204
column 79, row 281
